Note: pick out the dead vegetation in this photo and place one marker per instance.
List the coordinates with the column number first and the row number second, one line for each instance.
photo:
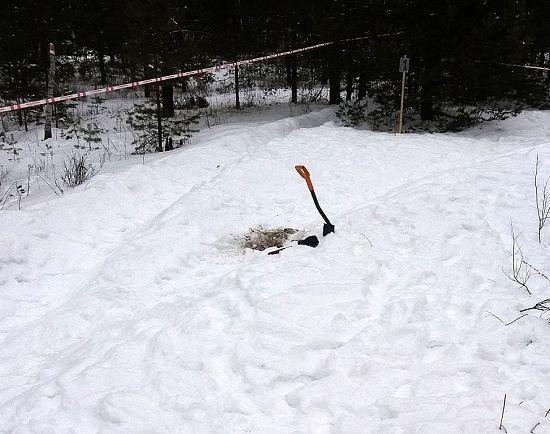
column 542, row 195
column 520, row 274
column 77, row 169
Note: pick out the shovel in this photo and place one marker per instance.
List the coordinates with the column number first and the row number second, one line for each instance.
column 328, row 227
column 311, row 241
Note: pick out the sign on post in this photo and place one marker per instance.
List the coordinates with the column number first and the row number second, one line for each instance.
column 404, row 63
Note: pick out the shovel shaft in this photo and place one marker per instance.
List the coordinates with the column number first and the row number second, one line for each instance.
column 303, row 172
column 316, row 202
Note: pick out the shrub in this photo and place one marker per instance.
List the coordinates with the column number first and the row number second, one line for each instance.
column 353, row 113
column 77, row 170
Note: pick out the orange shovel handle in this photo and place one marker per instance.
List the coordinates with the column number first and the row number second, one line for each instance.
column 303, row 172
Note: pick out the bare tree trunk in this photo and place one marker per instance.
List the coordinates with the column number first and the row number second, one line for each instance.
column 146, row 88
column 362, row 87
column 288, row 68
column 349, row 85
column 334, row 86
column 167, row 100
column 237, row 99
column 19, row 115
column 159, row 121
column 102, row 69
column 294, row 79
column 51, row 79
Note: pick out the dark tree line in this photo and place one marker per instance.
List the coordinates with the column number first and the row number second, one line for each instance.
column 455, row 45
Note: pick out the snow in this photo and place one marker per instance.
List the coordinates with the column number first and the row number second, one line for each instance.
column 127, row 304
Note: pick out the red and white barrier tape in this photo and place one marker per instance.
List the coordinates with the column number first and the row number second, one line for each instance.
column 515, row 65
column 179, row 74
column 541, row 68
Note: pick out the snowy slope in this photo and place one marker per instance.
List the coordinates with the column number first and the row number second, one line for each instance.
column 127, row 305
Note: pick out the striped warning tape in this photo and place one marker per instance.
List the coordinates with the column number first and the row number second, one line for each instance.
column 541, row 68
column 179, row 74
column 515, row 65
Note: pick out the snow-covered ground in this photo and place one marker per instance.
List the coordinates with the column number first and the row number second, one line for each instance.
column 128, row 306
column 34, row 164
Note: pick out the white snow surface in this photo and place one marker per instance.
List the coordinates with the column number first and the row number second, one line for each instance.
column 128, row 306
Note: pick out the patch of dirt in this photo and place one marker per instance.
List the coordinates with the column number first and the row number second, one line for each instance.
column 260, row 238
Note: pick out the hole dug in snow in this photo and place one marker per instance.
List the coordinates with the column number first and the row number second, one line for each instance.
column 260, row 238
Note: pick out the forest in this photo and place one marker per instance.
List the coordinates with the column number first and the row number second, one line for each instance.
column 462, row 52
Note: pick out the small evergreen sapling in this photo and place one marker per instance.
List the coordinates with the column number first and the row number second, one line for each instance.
column 91, row 134
column 142, row 120
column 74, row 129
column 353, row 113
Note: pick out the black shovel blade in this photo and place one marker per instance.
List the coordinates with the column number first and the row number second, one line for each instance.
column 328, row 229
column 311, row 241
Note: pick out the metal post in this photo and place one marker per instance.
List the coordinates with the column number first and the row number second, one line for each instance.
column 51, row 79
